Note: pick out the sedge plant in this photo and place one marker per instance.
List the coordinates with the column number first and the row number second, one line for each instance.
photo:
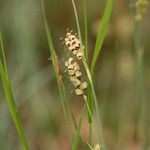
column 92, row 99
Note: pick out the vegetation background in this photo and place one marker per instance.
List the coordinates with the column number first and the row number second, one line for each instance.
column 34, row 84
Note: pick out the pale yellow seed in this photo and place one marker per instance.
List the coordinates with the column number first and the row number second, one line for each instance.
column 70, row 67
column 83, row 86
column 74, row 64
column 71, row 72
column 75, row 45
column 97, row 147
column 76, row 81
column 76, row 67
column 77, row 41
column 71, row 48
column 67, row 42
column 68, row 34
column 70, row 60
column 78, row 74
column 79, row 55
column 75, row 52
column 84, row 97
column 78, row 92
column 66, row 64
column 72, row 36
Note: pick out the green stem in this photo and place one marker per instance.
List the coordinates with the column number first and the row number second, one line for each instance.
column 10, row 99
column 103, row 27
column 86, row 30
column 60, row 85
column 101, row 139
column 140, row 76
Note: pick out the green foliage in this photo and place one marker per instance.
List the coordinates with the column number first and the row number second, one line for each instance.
column 103, row 27
column 9, row 96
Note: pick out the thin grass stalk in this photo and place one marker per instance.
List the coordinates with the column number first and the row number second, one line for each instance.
column 137, row 35
column 60, row 85
column 87, row 59
column 86, row 30
column 101, row 140
column 103, row 27
column 77, row 136
column 10, row 99
column 3, row 56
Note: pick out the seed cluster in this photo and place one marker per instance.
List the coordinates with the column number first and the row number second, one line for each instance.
column 141, row 9
column 73, row 68
column 73, row 44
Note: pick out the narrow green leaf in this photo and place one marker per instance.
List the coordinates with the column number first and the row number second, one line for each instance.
column 77, row 136
column 10, row 99
column 103, row 26
column 101, row 140
column 3, row 55
column 56, row 70
column 86, row 30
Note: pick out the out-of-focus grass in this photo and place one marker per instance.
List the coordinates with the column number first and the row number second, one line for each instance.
column 9, row 96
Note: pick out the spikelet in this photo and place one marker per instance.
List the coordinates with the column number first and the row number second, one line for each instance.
column 141, row 9
column 75, row 74
column 73, row 44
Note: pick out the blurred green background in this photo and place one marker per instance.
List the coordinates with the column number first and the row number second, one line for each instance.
column 33, row 80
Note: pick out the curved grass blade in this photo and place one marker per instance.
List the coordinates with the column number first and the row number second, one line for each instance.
column 77, row 136
column 86, row 30
column 57, row 72
column 103, row 26
column 10, row 99
column 101, row 140
column 142, row 90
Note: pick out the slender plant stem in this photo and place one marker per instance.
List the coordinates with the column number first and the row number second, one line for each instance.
column 3, row 56
column 60, row 85
column 10, row 99
column 137, row 34
column 86, row 30
column 103, row 27
column 87, row 59
column 101, row 139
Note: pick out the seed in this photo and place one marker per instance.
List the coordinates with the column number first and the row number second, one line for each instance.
column 71, row 48
column 78, row 74
column 70, row 60
column 79, row 55
column 83, row 86
column 85, row 97
column 78, row 92
column 76, row 81
column 67, row 43
column 70, row 67
column 71, row 72
column 66, row 64
column 75, row 52
column 76, row 67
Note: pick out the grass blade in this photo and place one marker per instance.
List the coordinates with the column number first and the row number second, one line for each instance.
column 57, row 72
column 103, row 26
column 3, row 55
column 86, row 30
column 89, row 105
column 101, row 140
column 142, row 91
column 10, row 99
column 77, row 136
